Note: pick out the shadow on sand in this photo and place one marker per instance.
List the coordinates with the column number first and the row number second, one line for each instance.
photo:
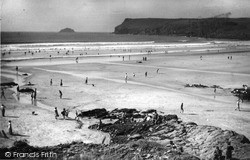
column 21, row 135
column 12, row 116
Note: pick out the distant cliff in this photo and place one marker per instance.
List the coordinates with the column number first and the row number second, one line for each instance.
column 67, row 30
column 231, row 28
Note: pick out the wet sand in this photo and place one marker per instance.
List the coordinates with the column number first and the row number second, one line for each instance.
column 178, row 65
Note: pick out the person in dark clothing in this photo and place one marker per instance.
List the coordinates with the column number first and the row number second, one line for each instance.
column 61, row 83
column 157, row 71
column 63, row 113
column 146, row 74
column 35, row 94
column 60, row 92
column 217, row 154
column 182, row 109
column 51, row 82
column 56, row 113
column 86, row 80
column 10, row 128
column 229, row 151
column 3, row 94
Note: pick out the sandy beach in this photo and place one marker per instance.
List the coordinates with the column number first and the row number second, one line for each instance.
column 105, row 65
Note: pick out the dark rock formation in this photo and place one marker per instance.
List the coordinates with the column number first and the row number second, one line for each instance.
column 232, row 28
column 66, row 30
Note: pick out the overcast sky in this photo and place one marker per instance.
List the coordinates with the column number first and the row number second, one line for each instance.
column 104, row 15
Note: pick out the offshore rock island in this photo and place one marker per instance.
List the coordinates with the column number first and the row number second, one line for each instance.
column 227, row 28
column 66, row 30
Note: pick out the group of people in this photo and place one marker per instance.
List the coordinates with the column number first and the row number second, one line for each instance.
column 145, row 74
column 64, row 113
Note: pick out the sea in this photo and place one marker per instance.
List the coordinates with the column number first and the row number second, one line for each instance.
column 56, row 37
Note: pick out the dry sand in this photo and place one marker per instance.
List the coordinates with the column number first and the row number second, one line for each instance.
column 165, row 91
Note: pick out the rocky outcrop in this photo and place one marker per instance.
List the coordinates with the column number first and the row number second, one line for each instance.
column 232, row 28
column 137, row 137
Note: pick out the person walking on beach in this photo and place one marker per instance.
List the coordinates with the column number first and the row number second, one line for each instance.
column 229, row 151
column 86, row 80
column 3, row 94
column 238, row 105
column 182, row 110
column 3, row 110
column 61, row 83
column 157, row 71
column 60, row 94
column 122, row 58
column 126, row 78
column 56, row 113
column 51, row 82
column 146, row 74
column 10, row 128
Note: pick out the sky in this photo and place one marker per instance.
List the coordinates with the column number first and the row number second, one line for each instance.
column 104, row 15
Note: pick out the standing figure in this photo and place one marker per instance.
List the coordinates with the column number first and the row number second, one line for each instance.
column 214, row 90
column 157, row 71
column 146, row 74
column 182, row 109
column 86, row 80
column 122, row 58
column 133, row 74
column 10, row 128
column 56, row 113
column 61, row 83
column 35, row 94
column 63, row 113
column 3, row 94
column 3, row 110
column 60, row 94
column 238, row 105
column 229, row 151
column 51, row 82
column 126, row 77
column 17, row 69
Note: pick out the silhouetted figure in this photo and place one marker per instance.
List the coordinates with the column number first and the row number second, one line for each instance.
column 35, row 92
column 61, row 83
column 3, row 94
column 214, row 90
column 60, row 94
column 133, row 74
column 17, row 69
column 122, row 58
column 56, row 113
column 86, row 80
column 182, row 109
column 146, row 74
column 10, row 128
column 217, row 154
column 51, row 82
column 3, row 110
column 63, row 113
column 229, row 151
column 157, row 71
